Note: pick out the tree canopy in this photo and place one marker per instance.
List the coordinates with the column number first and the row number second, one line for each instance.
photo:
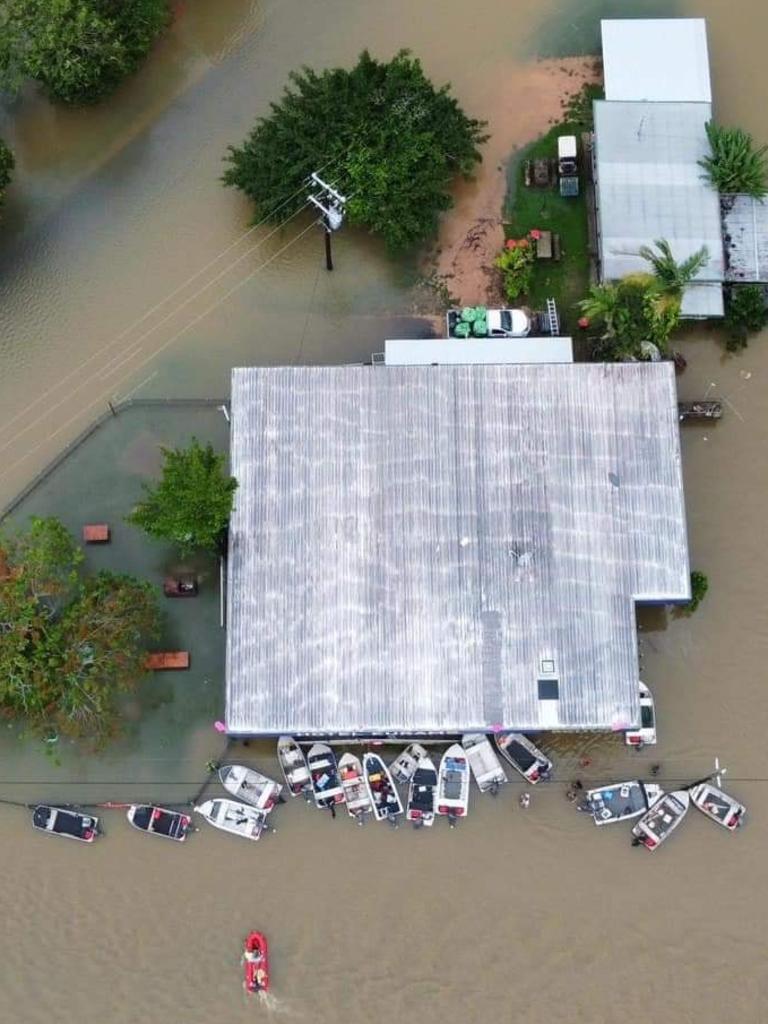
column 70, row 644
column 79, row 50
column 7, row 163
column 192, row 503
column 734, row 163
column 380, row 133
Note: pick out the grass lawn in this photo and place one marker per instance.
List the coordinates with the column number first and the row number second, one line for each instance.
column 565, row 280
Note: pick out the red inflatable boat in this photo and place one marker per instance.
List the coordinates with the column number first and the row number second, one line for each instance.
column 256, row 963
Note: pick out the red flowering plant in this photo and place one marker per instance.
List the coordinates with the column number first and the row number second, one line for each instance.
column 516, row 263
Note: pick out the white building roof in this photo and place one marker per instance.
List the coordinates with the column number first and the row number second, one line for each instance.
column 455, row 351
column 662, row 59
column 649, row 185
column 413, row 548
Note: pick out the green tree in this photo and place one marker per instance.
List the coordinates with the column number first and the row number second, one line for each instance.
column 746, row 313
column 734, row 164
column 380, row 132
column 69, row 645
column 7, row 164
column 699, row 588
column 79, row 50
column 673, row 277
column 192, row 503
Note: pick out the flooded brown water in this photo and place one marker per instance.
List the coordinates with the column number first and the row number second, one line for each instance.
column 515, row 914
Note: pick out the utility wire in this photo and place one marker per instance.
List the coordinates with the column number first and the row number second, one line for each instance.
column 179, row 288
column 192, row 323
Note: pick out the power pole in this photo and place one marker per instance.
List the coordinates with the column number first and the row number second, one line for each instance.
column 330, row 203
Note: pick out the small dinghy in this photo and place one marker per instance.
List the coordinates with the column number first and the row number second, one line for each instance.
column 157, row 821
column 355, row 791
column 620, row 801
column 645, row 736
column 453, row 784
column 230, row 816
column 404, row 765
column 524, row 757
column 381, row 789
column 63, row 821
column 294, row 766
column 660, row 822
column 256, row 963
column 718, row 806
column 422, row 794
column 324, row 774
column 484, row 762
column 249, row 785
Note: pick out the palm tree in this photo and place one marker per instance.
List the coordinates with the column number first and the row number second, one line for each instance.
column 673, row 277
column 602, row 303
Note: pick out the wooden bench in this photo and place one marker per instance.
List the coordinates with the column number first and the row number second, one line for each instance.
column 163, row 660
column 96, row 533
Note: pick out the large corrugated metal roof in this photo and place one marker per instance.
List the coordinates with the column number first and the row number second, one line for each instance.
column 662, row 59
column 650, row 185
column 410, row 546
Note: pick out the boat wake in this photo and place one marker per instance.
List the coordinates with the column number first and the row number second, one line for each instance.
column 270, row 1002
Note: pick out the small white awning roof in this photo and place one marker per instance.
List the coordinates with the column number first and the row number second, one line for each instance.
column 656, row 59
column 477, row 351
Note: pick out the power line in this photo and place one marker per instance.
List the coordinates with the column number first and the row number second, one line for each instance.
column 184, row 284
column 100, row 398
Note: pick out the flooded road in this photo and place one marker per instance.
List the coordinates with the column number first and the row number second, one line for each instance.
column 514, row 914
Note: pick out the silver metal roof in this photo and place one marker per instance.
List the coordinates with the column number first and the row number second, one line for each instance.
column 439, row 351
column 650, row 185
column 745, row 226
column 414, row 548
column 662, row 59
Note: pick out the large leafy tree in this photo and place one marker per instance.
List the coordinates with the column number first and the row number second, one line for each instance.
column 673, row 277
column 191, row 504
column 380, row 132
column 79, row 50
column 69, row 645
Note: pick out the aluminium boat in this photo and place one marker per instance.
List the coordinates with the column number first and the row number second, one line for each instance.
column 658, row 824
column 355, row 790
column 453, row 784
column 381, row 788
column 294, row 766
column 484, row 762
column 324, row 773
column 422, row 794
column 718, row 806
column 524, row 756
column 247, row 784
column 157, row 821
column 230, row 816
column 66, row 822
column 620, row 801
column 405, row 764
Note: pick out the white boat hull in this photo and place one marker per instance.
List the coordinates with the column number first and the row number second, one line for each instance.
column 718, row 806
column 405, row 764
column 645, row 736
column 484, row 762
column 293, row 765
column 324, row 771
column 526, row 758
column 238, row 819
column 382, row 791
column 248, row 785
column 453, row 783
column 355, row 791
column 422, row 794
column 658, row 824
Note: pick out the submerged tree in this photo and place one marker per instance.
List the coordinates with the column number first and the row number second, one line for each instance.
column 734, row 163
column 69, row 645
column 192, row 503
column 79, row 50
column 746, row 313
column 7, row 163
column 699, row 588
column 380, row 132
